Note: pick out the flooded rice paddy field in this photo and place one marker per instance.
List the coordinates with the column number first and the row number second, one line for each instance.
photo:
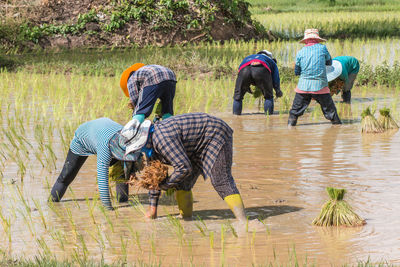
column 281, row 173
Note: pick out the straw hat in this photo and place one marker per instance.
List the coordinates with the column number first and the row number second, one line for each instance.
column 333, row 71
column 312, row 34
column 123, row 82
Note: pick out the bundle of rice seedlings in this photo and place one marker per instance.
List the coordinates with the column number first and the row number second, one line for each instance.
column 337, row 212
column 257, row 92
column 336, row 86
column 385, row 120
column 151, row 175
column 116, row 172
column 368, row 122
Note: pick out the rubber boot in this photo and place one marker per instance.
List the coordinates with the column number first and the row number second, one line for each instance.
column 336, row 119
column 185, row 203
column 58, row 191
column 346, row 97
column 235, row 203
column 122, row 192
column 269, row 106
column 292, row 121
column 237, row 107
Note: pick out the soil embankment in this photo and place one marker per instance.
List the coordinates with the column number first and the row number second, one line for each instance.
column 109, row 23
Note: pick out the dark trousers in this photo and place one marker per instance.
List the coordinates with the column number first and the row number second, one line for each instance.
column 165, row 91
column 301, row 102
column 72, row 165
column 253, row 75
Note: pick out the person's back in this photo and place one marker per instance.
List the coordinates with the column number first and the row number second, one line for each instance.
column 311, row 64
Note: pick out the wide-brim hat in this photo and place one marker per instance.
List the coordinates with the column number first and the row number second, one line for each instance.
column 123, row 82
column 333, row 71
column 266, row 52
column 312, row 34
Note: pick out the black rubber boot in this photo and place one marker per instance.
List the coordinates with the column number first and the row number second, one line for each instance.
column 122, row 192
column 346, row 97
column 292, row 121
column 72, row 165
column 336, row 119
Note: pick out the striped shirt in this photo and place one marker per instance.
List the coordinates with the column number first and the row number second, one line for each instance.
column 190, row 143
column 146, row 76
column 311, row 64
column 91, row 138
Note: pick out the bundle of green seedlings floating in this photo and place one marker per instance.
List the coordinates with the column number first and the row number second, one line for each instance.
column 368, row 122
column 337, row 212
column 386, row 121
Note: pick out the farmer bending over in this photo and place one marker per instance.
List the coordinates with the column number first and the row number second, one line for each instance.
column 194, row 144
column 311, row 63
column 259, row 70
column 343, row 73
column 101, row 137
column 144, row 84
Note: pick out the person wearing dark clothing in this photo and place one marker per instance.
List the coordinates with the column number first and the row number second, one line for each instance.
column 261, row 71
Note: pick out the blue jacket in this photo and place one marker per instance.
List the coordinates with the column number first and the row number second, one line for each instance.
column 273, row 68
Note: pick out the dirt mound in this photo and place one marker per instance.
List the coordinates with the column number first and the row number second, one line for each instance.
column 111, row 23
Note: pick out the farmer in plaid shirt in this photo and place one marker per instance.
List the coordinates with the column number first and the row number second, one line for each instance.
column 195, row 144
column 144, row 84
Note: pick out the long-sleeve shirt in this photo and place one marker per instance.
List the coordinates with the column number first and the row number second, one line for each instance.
column 92, row 138
column 311, row 64
column 268, row 63
column 190, row 143
column 147, row 76
column 349, row 65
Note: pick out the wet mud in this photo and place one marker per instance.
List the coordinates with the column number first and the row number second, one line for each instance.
column 282, row 175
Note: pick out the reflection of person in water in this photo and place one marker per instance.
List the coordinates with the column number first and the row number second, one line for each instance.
column 101, row 137
column 194, row 144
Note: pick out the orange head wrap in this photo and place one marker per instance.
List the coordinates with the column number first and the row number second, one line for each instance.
column 125, row 76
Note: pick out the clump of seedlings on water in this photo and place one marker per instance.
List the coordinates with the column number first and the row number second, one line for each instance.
column 386, row 120
column 369, row 124
column 337, row 212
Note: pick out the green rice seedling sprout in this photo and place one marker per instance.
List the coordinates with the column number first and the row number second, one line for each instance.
column 177, row 227
column 6, row 223
column 108, row 219
column 385, row 120
column 91, row 205
column 135, row 234
column 368, row 122
column 42, row 217
column 74, row 197
column 43, row 245
column 222, row 237
column 211, row 236
column 337, row 212
column 83, row 248
column 124, row 245
column 233, row 230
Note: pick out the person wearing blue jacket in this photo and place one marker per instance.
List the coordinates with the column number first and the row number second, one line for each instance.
column 261, row 71
column 102, row 137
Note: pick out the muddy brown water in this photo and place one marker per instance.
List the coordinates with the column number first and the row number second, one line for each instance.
column 281, row 173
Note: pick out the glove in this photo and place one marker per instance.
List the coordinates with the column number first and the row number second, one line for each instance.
column 279, row 93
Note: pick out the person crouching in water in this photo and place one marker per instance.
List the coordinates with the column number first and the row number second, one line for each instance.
column 259, row 70
column 102, row 137
column 342, row 74
column 310, row 64
column 194, row 144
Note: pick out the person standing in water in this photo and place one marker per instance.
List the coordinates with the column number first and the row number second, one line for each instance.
column 310, row 64
column 259, row 70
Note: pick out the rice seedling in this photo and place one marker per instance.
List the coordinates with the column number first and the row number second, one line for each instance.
column 337, row 212
column 368, row 122
column 42, row 217
column 386, row 120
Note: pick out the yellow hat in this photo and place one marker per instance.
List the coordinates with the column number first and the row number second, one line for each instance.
column 125, row 76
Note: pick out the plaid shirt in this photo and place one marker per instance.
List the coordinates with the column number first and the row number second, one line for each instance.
column 190, row 143
column 147, row 76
